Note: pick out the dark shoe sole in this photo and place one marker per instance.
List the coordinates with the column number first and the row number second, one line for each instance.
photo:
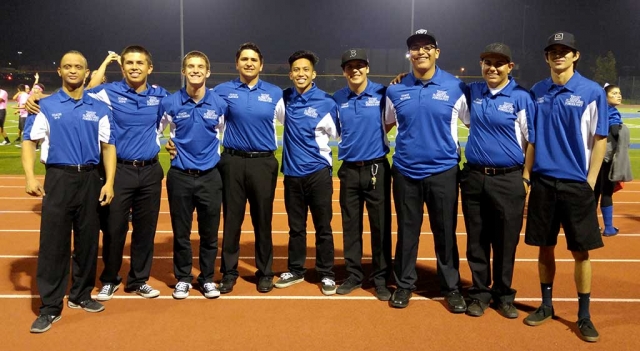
column 398, row 305
column 264, row 289
column 537, row 323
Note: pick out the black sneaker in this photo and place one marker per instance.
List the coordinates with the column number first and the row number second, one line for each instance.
column 476, row 308
column 287, row 279
column 328, row 286
column 43, row 323
column 539, row 316
column 181, row 291
column 587, row 331
column 455, row 302
column 107, row 291
column 383, row 293
column 400, row 298
column 348, row 286
column 507, row 310
column 89, row 305
column 210, row 290
column 147, row 291
column 265, row 284
column 226, row 285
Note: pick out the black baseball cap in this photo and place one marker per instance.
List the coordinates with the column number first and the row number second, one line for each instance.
column 422, row 34
column 562, row 38
column 354, row 54
column 496, row 48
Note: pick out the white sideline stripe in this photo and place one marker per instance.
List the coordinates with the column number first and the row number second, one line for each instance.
column 311, row 258
column 281, row 232
column 333, row 297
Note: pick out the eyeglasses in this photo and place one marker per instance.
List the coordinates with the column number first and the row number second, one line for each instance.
column 559, row 52
column 426, row 48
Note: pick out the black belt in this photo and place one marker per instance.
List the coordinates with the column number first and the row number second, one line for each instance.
column 493, row 170
column 73, row 168
column 193, row 172
column 365, row 163
column 245, row 154
column 138, row 163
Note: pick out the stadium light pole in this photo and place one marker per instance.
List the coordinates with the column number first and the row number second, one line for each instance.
column 413, row 7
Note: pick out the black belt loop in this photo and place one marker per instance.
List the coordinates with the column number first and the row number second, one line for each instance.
column 245, row 154
column 73, row 168
column 365, row 163
column 193, row 172
column 491, row 171
column 138, row 163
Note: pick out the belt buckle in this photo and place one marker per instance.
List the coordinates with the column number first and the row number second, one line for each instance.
column 359, row 163
column 135, row 163
column 489, row 171
column 193, row 172
column 79, row 168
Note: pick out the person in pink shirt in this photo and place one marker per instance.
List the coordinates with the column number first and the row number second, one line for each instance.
column 3, row 115
column 21, row 98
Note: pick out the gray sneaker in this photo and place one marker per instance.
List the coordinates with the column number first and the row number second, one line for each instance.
column 147, row 291
column 287, row 279
column 89, row 305
column 210, row 290
column 43, row 323
column 328, row 286
column 107, row 291
column 181, row 291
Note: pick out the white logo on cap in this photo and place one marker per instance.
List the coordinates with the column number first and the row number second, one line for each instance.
column 353, row 53
column 558, row 36
column 422, row 31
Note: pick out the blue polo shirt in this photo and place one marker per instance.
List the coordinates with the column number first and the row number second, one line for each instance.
column 426, row 116
column 194, row 128
column 310, row 120
column 500, row 125
column 567, row 120
column 250, row 123
column 72, row 130
column 135, row 116
column 614, row 116
column 361, row 123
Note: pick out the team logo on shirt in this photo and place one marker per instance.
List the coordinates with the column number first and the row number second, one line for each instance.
column 477, row 101
column 405, row 97
column 56, row 115
column 344, row 105
column 183, row 114
column 506, row 107
column 122, row 99
column 153, row 101
column 540, row 100
column 232, row 96
column 265, row 98
column 210, row 114
column 440, row 95
column 372, row 101
column 311, row 112
column 574, row 100
column 90, row 116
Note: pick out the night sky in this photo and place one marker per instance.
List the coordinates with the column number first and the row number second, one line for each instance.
column 44, row 30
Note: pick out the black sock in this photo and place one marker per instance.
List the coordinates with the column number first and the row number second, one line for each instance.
column 547, row 293
column 583, row 305
column 7, row 139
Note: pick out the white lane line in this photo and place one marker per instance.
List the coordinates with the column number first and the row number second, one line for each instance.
column 311, row 258
column 334, row 297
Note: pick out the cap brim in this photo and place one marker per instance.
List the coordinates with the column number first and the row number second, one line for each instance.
column 486, row 54
column 569, row 46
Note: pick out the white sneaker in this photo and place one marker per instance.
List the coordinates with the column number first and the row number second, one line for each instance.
column 181, row 291
column 147, row 291
column 5, row 143
column 210, row 290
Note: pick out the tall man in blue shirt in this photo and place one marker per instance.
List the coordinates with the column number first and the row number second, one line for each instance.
column 75, row 129
column 196, row 116
column 310, row 120
column 425, row 106
column 138, row 185
column 365, row 176
column 571, row 128
column 494, row 181
column 248, row 165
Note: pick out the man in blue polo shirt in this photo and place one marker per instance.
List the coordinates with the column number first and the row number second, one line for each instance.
column 196, row 115
column 248, row 165
column 138, row 185
column 425, row 106
column 495, row 179
column 310, row 120
column 365, row 176
column 75, row 129
column 571, row 128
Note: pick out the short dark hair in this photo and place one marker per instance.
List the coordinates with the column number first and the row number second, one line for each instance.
column 195, row 53
column 303, row 54
column 248, row 46
column 137, row 49
column 22, row 87
column 75, row 52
